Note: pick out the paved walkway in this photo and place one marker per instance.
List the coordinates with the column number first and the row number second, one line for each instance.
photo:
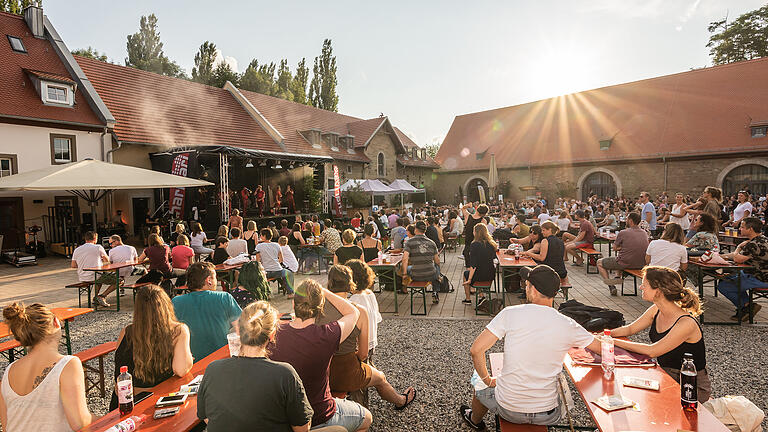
column 45, row 283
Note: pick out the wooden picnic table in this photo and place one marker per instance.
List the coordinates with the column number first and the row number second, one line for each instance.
column 63, row 314
column 229, row 269
column 609, row 238
column 184, row 420
column 386, row 269
column 315, row 247
column 659, row 411
column 708, row 269
column 111, row 267
column 509, row 265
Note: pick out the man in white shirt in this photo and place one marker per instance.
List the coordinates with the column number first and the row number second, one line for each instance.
column 237, row 245
column 526, row 391
column 90, row 255
column 118, row 254
column 270, row 256
column 543, row 216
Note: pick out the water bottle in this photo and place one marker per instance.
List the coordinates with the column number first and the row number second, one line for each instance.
column 124, row 391
column 380, row 256
column 607, row 354
column 128, row 425
column 689, row 397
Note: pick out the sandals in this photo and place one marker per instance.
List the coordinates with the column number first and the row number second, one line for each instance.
column 410, row 391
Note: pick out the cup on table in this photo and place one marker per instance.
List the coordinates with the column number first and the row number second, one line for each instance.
column 233, row 340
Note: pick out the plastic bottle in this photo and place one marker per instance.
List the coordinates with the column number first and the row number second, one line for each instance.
column 380, row 256
column 128, row 425
column 125, row 391
column 688, row 390
column 607, row 354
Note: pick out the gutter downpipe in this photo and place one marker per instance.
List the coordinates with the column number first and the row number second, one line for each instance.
column 666, row 170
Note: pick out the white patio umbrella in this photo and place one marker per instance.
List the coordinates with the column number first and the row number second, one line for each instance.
column 91, row 180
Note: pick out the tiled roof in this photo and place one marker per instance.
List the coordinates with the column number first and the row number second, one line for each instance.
column 364, row 129
column 158, row 110
column 50, row 76
column 704, row 111
column 410, row 161
column 20, row 98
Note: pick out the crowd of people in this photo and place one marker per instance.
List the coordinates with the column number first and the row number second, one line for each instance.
column 287, row 371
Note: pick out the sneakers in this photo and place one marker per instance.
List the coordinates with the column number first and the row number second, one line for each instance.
column 614, row 292
column 578, row 264
column 614, row 281
column 101, row 301
column 745, row 312
column 435, row 299
column 466, row 414
column 465, row 301
column 122, row 292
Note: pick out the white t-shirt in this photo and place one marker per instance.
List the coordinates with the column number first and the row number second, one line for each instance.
column 684, row 221
column 738, row 213
column 528, row 381
column 88, row 255
column 543, row 217
column 121, row 254
column 667, row 254
column 237, row 247
column 197, row 240
column 368, row 300
column 563, row 224
column 269, row 256
column 289, row 259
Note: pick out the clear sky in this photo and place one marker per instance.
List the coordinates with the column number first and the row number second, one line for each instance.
column 423, row 62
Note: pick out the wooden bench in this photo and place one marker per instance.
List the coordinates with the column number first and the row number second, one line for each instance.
column 97, row 352
column 590, row 252
column 280, row 287
column 82, row 288
column 135, row 287
column 8, row 349
column 484, row 288
column 754, row 294
column 451, row 242
column 636, row 274
column 505, row 426
column 419, row 288
column 564, row 288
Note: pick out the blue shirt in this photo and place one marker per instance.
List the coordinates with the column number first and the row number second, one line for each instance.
column 398, row 234
column 209, row 316
column 649, row 208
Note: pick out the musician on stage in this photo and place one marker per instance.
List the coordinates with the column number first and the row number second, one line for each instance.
column 245, row 194
column 278, row 199
column 260, row 200
column 289, row 200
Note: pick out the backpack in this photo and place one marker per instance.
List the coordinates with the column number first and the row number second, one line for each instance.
column 445, row 284
column 593, row 319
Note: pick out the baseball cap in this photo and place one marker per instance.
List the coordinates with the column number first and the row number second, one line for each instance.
column 421, row 226
column 543, row 278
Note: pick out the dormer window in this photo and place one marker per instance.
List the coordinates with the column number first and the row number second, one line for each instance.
column 424, row 154
column 605, row 144
column 56, row 93
column 759, row 131
column 16, row 44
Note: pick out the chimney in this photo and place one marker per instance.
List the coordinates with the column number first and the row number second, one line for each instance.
column 33, row 15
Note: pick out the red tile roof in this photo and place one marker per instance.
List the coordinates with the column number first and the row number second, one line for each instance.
column 409, row 144
column 20, row 98
column 50, row 76
column 704, row 111
column 364, row 129
column 159, row 110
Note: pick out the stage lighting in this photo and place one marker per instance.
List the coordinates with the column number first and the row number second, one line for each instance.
column 249, row 164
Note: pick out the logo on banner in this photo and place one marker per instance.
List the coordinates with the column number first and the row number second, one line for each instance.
column 179, row 167
column 337, row 190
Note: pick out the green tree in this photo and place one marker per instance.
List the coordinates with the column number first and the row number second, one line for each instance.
column 322, row 89
column 312, row 195
column 283, row 82
column 90, row 53
column 745, row 38
column 432, row 149
column 202, row 72
column 18, row 6
column 300, row 81
column 145, row 51
column 259, row 78
column 222, row 74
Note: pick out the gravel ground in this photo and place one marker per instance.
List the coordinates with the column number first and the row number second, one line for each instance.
column 433, row 357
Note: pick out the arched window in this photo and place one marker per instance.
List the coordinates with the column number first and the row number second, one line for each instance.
column 382, row 168
column 598, row 183
column 750, row 177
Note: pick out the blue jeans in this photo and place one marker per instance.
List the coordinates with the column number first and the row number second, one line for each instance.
column 435, row 281
column 349, row 415
column 729, row 287
column 487, row 397
column 286, row 276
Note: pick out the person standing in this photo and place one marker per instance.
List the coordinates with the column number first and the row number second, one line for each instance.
column 648, row 213
column 90, row 255
column 236, row 221
column 630, row 246
column 470, row 220
column 678, row 214
column 278, row 199
column 260, row 195
column 289, row 200
column 743, row 209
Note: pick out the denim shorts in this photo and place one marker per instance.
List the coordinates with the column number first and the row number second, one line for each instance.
column 487, row 397
column 349, row 415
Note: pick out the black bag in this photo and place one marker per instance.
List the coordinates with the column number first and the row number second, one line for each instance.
column 445, row 284
column 592, row 318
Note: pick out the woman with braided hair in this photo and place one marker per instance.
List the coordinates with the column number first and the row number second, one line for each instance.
column 673, row 327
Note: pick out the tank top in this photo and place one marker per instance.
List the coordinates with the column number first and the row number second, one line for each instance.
column 554, row 258
column 369, row 253
column 331, row 314
column 674, row 358
column 124, row 357
column 39, row 410
column 251, row 242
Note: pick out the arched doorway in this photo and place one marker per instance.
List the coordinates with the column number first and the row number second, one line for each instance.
column 598, row 183
column 472, row 190
column 751, row 177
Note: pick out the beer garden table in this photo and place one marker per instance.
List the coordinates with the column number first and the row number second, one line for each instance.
column 184, row 420
column 509, row 265
column 729, row 241
column 314, row 247
column 63, row 314
column 112, row 267
column 386, row 270
column 608, row 238
column 707, row 269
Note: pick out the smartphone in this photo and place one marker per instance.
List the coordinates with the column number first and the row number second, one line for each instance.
column 171, row 400
column 141, row 396
column 165, row 412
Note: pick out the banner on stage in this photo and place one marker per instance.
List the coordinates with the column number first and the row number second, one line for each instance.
column 337, row 190
column 179, row 167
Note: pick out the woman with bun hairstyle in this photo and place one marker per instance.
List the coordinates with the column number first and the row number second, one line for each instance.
column 672, row 326
column 348, row 371
column 250, row 391
column 44, row 390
